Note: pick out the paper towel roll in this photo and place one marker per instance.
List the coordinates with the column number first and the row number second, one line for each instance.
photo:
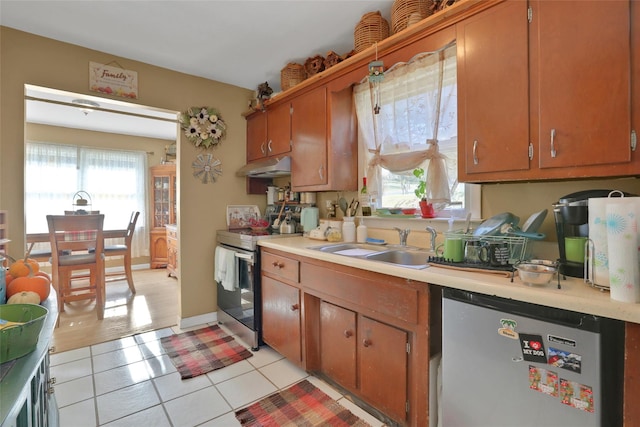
column 598, row 235
column 623, row 242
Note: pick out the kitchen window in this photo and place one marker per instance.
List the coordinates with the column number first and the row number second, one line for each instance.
column 408, row 120
column 114, row 179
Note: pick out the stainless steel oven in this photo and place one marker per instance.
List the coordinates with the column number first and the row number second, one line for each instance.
column 240, row 301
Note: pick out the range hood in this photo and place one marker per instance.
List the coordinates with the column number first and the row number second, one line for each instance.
column 267, row 168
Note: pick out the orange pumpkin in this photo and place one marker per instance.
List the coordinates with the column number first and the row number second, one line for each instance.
column 20, row 268
column 43, row 274
column 7, row 279
column 37, row 284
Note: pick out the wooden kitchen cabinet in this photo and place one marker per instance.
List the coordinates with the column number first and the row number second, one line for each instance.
column 172, row 250
column 338, row 341
column 493, row 86
column 269, row 132
column 324, row 141
column 163, row 211
column 358, row 347
column 281, row 320
column 367, row 333
column 382, row 366
column 534, row 100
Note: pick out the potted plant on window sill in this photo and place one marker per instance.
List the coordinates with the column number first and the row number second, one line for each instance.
column 426, row 208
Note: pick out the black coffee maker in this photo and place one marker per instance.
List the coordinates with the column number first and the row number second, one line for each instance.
column 571, row 214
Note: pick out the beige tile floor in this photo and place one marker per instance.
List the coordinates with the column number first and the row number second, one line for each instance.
column 131, row 382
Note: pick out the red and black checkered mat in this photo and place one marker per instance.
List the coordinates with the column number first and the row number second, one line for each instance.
column 300, row 405
column 204, row 350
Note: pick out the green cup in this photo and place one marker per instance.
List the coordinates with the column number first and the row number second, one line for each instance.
column 574, row 248
column 451, row 250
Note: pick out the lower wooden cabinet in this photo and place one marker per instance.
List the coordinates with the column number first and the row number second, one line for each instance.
column 158, row 248
column 356, row 347
column 382, row 366
column 281, row 321
column 172, row 250
column 365, row 332
column 338, row 344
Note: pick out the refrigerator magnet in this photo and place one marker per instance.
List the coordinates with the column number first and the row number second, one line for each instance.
column 576, row 395
column 532, row 348
column 508, row 328
column 565, row 360
column 543, row 381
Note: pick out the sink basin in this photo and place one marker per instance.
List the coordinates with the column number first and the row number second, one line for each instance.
column 401, row 256
column 404, row 258
column 349, row 249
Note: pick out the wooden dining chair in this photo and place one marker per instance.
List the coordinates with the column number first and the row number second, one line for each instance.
column 77, row 234
column 124, row 250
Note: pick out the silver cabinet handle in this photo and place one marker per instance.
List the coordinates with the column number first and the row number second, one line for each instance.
column 475, row 152
column 269, row 149
column 321, row 172
column 553, row 147
column 262, row 148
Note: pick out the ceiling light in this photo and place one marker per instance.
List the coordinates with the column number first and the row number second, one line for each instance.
column 86, row 105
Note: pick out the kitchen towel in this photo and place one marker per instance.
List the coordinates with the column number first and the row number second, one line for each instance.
column 623, row 241
column 225, row 268
column 598, row 237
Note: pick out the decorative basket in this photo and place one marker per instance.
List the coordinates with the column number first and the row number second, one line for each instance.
column 16, row 341
column 372, row 28
column 408, row 12
column 314, row 65
column 331, row 59
column 291, row 75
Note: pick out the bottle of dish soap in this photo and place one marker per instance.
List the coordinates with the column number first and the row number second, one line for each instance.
column 361, row 232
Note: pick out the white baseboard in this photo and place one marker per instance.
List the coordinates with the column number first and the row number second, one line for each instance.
column 200, row 319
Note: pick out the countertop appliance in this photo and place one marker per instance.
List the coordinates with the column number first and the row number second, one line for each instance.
column 239, row 302
column 510, row 363
column 571, row 214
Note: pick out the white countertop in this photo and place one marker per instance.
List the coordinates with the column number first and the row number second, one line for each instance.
column 574, row 294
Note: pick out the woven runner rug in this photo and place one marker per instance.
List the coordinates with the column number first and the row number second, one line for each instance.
column 300, row 405
column 204, row 350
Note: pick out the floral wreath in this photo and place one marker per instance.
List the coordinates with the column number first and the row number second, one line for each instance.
column 203, row 126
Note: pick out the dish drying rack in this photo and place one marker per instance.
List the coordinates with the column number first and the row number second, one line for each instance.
column 518, row 246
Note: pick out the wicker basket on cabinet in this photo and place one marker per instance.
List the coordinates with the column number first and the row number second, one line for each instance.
column 408, row 12
column 372, row 28
column 291, row 75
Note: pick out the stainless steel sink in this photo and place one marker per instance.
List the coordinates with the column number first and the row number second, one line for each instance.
column 404, row 258
column 355, row 249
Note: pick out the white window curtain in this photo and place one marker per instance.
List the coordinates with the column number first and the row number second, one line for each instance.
column 416, row 120
column 115, row 180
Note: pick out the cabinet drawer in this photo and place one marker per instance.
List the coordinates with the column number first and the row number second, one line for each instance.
column 381, row 294
column 277, row 265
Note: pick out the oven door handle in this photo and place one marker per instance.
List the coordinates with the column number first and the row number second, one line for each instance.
column 243, row 256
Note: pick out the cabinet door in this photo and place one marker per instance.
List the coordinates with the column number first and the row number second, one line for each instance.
column 382, row 364
column 278, row 129
column 281, row 318
column 583, row 81
column 256, row 136
column 338, row 344
column 493, row 86
column 309, row 136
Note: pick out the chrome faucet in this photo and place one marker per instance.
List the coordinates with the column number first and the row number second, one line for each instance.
column 434, row 235
column 403, row 235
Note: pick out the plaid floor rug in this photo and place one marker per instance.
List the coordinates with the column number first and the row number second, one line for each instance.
column 204, row 350
column 300, row 405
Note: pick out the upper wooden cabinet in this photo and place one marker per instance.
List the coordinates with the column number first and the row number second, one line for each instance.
column 324, row 155
column 493, row 87
column 269, row 132
column 581, row 79
column 545, row 91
